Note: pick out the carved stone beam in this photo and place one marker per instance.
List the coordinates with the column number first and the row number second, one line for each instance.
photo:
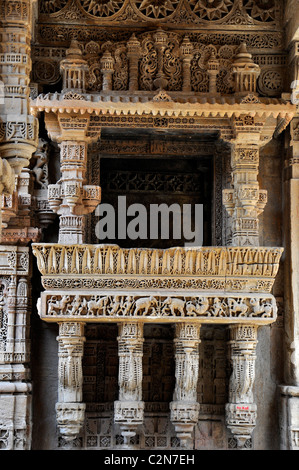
column 70, row 410
column 241, row 411
column 71, row 197
column 245, row 202
column 184, row 407
column 128, row 409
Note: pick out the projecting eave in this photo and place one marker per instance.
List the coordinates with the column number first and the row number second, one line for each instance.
column 179, row 111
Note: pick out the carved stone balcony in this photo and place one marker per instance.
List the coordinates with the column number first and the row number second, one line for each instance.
column 104, row 283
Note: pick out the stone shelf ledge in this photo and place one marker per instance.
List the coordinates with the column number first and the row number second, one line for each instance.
column 103, row 283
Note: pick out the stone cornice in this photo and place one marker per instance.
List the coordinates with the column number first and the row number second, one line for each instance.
column 164, row 110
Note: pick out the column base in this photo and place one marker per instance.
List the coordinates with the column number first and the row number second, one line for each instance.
column 70, row 419
column 129, row 415
column 241, row 420
column 184, row 417
column 289, row 417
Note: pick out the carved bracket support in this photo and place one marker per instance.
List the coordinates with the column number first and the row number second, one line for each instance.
column 241, row 411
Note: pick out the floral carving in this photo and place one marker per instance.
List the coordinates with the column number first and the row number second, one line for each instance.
column 261, row 10
column 211, row 9
column 101, row 8
column 157, row 8
column 51, row 6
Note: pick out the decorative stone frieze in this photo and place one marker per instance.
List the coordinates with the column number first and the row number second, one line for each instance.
column 69, row 408
column 128, row 409
column 222, row 269
column 184, row 407
column 241, row 411
column 152, row 307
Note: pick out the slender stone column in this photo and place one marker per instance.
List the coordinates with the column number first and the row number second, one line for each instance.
column 186, row 53
column 245, row 202
column 134, row 52
column 18, row 129
column 241, row 411
column 71, row 198
column 184, row 407
column 70, row 409
column 128, row 410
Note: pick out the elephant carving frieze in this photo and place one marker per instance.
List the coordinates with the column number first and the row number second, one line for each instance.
column 169, row 307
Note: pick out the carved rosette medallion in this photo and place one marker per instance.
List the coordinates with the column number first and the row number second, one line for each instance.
column 211, row 10
column 101, row 8
column 157, row 8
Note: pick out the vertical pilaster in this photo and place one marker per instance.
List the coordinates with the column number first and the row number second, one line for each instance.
column 70, row 409
column 128, row 410
column 241, row 411
column 15, row 385
column 18, row 129
column 184, row 407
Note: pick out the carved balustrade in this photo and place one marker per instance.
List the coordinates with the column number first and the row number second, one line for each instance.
column 185, row 286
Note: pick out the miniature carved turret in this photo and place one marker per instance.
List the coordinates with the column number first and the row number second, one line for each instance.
column 74, row 69
column 186, row 52
column 134, row 51
column 212, row 70
column 246, row 72
column 107, row 63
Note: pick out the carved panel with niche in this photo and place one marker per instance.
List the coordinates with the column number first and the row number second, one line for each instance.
column 151, row 171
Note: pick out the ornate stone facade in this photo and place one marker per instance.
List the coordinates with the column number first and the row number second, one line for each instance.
column 95, row 94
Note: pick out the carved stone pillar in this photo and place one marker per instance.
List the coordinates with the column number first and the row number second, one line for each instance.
column 107, row 68
column 186, row 52
column 70, row 409
column 18, row 129
column 213, row 66
column 128, row 410
column 70, row 197
column 241, row 411
column 134, row 51
column 245, row 202
column 184, row 407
